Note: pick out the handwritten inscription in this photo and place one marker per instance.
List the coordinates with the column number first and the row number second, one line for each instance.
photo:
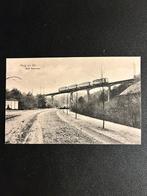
column 30, row 66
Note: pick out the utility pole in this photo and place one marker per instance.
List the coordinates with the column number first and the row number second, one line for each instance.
column 64, row 101
column 40, row 90
column 76, row 105
column 101, row 72
column 67, row 104
column 134, row 70
column 103, row 97
column 52, row 99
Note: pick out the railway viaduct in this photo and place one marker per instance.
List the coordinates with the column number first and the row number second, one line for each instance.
column 88, row 88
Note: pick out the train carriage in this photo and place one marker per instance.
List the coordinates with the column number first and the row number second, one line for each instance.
column 100, row 81
column 84, row 84
column 63, row 89
column 72, row 87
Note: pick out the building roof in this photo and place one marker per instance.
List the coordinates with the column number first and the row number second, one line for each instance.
column 12, row 99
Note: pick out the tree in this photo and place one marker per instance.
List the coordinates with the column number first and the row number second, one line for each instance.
column 30, row 101
column 27, row 101
column 81, row 101
column 7, row 94
column 103, row 96
column 81, row 104
column 13, row 94
column 41, row 101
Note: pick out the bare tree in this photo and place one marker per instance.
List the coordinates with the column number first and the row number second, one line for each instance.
column 9, row 77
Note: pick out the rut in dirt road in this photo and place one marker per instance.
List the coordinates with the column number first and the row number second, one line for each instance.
column 11, row 116
column 56, row 131
column 21, row 128
column 26, row 130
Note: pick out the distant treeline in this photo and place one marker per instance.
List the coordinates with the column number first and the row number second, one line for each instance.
column 27, row 100
column 124, row 109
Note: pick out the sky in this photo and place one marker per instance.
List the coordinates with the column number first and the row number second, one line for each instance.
column 46, row 75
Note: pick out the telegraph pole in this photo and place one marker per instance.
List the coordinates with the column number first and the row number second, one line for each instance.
column 134, row 70
column 103, row 97
column 76, row 105
column 103, row 106
column 40, row 90
column 67, row 103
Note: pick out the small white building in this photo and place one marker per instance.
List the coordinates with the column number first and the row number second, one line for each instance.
column 11, row 104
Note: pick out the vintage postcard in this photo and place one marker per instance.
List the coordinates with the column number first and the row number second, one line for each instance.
column 73, row 100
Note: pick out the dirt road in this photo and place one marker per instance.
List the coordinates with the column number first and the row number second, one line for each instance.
column 53, row 126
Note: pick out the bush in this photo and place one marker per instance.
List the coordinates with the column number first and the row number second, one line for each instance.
column 121, row 109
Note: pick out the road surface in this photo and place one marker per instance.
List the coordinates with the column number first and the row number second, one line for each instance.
column 54, row 126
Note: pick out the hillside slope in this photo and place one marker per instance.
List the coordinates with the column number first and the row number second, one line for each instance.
column 134, row 88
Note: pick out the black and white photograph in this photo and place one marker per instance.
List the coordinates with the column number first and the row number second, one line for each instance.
column 73, row 100
column 73, row 113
